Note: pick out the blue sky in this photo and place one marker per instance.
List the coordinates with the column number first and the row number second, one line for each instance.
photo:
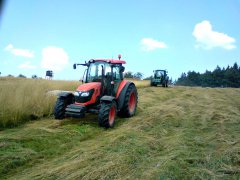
column 177, row 35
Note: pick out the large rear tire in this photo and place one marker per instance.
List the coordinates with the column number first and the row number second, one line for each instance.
column 165, row 84
column 130, row 102
column 61, row 104
column 107, row 114
column 151, row 83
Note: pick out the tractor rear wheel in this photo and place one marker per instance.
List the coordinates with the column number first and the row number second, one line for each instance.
column 61, row 104
column 151, row 83
column 130, row 102
column 107, row 114
column 165, row 84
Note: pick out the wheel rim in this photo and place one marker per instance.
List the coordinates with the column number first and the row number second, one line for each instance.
column 112, row 114
column 132, row 102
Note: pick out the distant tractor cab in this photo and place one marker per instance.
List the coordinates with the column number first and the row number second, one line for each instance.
column 104, row 92
column 49, row 75
column 159, row 78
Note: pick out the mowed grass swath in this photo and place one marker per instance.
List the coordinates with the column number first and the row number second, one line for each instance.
column 23, row 99
column 177, row 133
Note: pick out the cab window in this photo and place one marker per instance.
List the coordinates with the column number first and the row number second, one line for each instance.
column 116, row 72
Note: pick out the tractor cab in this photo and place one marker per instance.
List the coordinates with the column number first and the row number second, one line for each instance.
column 159, row 74
column 109, row 73
column 104, row 91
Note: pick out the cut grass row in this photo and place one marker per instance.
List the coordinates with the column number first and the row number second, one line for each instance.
column 22, row 100
column 177, row 133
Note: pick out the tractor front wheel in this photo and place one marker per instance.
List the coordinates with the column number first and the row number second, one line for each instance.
column 107, row 114
column 61, row 104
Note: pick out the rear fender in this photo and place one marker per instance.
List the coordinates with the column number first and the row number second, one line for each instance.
column 121, row 98
column 121, row 86
column 107, row 98
column 65, row 95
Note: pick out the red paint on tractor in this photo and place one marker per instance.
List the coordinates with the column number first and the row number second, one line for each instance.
column 121, row 86
column 132, row 102
column 112, row 114
column 112, row 61
column 88, row 86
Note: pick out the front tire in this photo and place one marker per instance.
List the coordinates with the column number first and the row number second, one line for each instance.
column 61, row 104
column 107, row 114
column 130, row 102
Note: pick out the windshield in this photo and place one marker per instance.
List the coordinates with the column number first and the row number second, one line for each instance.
column 159, row 73
column 95, row 71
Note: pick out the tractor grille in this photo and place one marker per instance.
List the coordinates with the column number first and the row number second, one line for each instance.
column 81, row 99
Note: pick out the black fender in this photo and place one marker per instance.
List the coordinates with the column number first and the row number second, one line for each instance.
column 121, row 98
column 107, row 98
column 65, row 95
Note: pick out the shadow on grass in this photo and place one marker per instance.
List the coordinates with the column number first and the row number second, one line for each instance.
column 89, row 119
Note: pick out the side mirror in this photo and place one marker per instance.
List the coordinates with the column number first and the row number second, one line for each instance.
column 74, row 66
column 122, row 69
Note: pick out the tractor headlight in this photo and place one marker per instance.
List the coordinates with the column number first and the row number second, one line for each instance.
column 76, row 93
column 85, row 94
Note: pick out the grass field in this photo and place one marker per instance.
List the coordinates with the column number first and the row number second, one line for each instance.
column 177, row 133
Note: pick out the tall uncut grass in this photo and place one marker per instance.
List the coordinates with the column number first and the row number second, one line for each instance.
column 22, row 99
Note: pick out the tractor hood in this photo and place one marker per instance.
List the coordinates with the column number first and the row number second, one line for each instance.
column 89, row 86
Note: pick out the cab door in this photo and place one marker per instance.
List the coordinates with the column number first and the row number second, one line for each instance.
column 116, row 77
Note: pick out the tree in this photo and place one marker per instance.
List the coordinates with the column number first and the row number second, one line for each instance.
column 229, row 77
column 21, row 76
column 182, row 80
column 34, row 76
column 218, row 77
column 148, row 78
column 128, row 74
column 138, row 75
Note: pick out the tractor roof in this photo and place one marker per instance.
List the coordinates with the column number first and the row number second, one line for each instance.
column 111, row 61
column 160, row 70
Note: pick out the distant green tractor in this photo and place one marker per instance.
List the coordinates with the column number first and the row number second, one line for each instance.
column 160, row 77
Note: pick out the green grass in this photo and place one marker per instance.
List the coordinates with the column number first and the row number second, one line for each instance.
column 177, row 133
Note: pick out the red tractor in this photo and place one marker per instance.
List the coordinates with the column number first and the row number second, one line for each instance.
column 105, row 92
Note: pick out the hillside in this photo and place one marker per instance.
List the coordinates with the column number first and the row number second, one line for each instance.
column 178, row 132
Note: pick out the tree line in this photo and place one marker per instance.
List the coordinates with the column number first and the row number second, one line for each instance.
column 137, row 75
column 220, row 77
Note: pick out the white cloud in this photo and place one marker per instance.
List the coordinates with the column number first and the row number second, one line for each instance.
column 19, row 52
column 149, row 44
column 54, row 58
column 207, row 38
column 27, row 65
column 9, row 47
